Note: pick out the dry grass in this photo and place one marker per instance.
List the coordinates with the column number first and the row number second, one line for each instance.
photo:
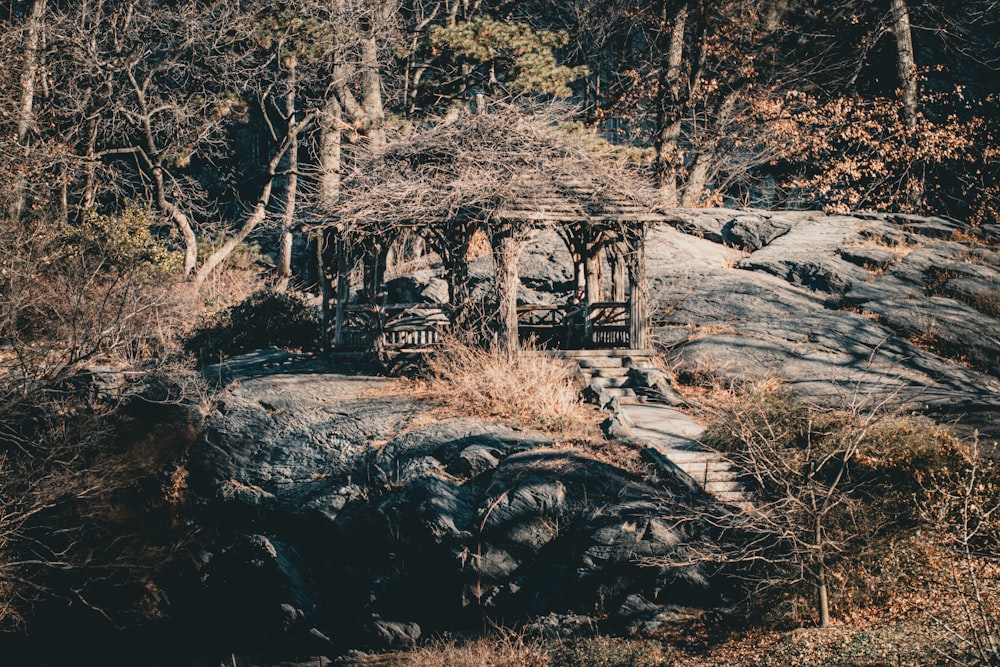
column 506, row 651
column 513, row 650
column 733, row 257
column 889, row 640
column 526, row 389
column 988, row 303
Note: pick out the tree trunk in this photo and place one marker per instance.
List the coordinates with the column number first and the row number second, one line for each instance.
column 708, row 158
column 822, row 597
column 906, row 66
column 670, row 113
column 330, row 139
column 89, row 196
column 26, row 102
column 506, row 253
column 284, row 268
column 824, row 605
column 29, row 71
column 259, row 212
column 372, row 95
column 695, row 187
column 180, row 220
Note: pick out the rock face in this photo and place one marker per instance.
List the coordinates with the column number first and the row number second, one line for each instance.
column 341, row 518
column 838, row 306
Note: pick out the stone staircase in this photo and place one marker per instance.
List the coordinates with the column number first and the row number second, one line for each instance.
column 673, row 434
column 605, row 373
column 711, row 471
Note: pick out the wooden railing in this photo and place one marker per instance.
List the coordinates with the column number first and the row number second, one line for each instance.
column 608, row 324
column 544, row 324
column 604, row 324
column 399, row 326
column 420, row 326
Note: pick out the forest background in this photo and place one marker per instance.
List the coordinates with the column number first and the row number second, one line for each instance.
column 204, row 124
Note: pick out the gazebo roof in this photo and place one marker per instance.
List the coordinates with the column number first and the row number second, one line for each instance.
column 544, row 199
column 502, row 167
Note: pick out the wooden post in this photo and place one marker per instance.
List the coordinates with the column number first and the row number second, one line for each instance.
column 343, row 290
column 619, row 271
column 592, row 274
column 638, row 320
column 375, row 258
column 507, row 244
column 456, row 267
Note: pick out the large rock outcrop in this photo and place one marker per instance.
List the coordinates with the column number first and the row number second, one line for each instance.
column 340, row 516
column 843, row 307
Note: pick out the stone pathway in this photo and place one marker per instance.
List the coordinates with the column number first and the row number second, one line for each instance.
column 674, row 434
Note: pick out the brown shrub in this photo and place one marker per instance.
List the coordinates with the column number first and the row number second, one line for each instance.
column 527, row 388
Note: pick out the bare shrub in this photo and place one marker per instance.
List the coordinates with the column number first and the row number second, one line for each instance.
column 608, row 652
column 264, row 318
column 513, row 650
column 527, row 388
column 964, row 509
column 103, row 289
column 90, row 498
column 832, row 492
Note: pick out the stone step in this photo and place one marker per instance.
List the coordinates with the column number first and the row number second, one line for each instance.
column 694, row 459
column 716, row 476
column 624, row 394
column 586, row 354
column 601, row 362
column 608, row 382
column 708, row 465
column 638, row 362
column 715, row 488
column 609, row 372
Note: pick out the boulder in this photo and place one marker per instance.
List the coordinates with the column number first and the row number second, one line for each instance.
column 944, row 326
column 752, row 233
column 654, row 384
column 256, row 586
column 396, row 634
column 873, row 259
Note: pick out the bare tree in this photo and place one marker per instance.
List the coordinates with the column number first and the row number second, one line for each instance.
column 965, row 512
column 812, row 500
column 31, row 51
column 906, row 66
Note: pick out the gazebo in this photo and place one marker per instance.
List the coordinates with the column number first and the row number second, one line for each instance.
column 502, row 177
